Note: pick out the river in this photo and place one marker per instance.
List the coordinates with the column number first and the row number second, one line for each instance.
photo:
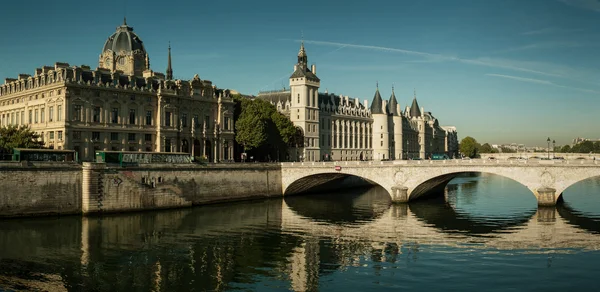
column 484, row 233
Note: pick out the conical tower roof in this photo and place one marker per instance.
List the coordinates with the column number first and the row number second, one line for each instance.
column 377, row 105
column 414, row 108
column 393, row 104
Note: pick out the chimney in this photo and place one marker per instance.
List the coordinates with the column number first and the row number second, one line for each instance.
column 366, row 103
column 314, row 69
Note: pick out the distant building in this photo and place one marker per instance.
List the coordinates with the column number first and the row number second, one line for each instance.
column 337, row 127
column 121, row 105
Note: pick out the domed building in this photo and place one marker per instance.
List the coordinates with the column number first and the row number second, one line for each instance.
column 122, row 105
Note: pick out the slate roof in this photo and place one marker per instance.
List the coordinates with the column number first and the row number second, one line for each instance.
column 393, row 105
column 377, row 105
column 414, row 109
column 302, row 71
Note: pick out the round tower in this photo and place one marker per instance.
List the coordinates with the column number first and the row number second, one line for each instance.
column 381, row 133
column 395, row 127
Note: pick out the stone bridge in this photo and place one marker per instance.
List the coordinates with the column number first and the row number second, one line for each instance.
column 408, row 180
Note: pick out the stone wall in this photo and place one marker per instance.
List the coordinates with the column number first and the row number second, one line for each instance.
column 29, row 189
column 117, row 189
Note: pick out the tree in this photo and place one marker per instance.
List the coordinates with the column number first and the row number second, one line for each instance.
column 486, row 148
column 565, row 149
column 250, row 127
column 13, row 136
column 468, row 147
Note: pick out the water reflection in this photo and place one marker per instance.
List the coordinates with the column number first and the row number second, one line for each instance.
column 339, row 241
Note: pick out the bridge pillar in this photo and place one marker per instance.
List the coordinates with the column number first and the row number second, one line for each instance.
column 399, row 194
column 546, row 197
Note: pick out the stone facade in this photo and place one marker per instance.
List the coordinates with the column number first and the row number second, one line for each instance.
column 121, row 105
column 337, row 127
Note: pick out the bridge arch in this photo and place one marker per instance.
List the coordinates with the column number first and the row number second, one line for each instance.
column 325, row 181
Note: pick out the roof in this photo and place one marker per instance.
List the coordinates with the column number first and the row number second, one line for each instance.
column 393, row 105
column 414, row 109
column 302, row 71
column 377, row 105
column 124, row 39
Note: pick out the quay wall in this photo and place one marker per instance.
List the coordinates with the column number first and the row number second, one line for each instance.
column 119, row 189
column 34, row 189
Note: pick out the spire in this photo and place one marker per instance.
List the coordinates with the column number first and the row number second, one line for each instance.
column 377, row 105
column 169, row 68
column 414, row 108
column 393, row 104
column 302, row 58
column 124, row 20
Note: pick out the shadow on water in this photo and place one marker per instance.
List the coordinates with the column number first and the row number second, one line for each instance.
column 345, row 206
column 578, row 219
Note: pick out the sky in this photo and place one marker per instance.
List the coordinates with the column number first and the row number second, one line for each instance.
column 501, row 71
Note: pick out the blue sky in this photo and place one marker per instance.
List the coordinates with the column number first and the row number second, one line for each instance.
column 502, row 71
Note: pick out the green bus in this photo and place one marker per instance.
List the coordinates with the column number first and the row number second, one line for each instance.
column 134, row 158
column 439, row 157
column 29, row 154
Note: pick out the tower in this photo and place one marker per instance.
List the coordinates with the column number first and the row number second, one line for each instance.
column 417, row 115
column 124, row 51
column 169, row 68
column 395, row 127
column 304, row 110
column 380, row 128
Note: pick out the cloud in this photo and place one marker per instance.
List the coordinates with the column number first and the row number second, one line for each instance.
column 593, row 5
column 550, row 30
column 540, row 81
column 542, row 46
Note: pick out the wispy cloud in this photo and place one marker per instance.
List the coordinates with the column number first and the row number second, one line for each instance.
column 585, row 4
column 550, row 30
column 542, row 46
column 540, row 81
column 504, row 64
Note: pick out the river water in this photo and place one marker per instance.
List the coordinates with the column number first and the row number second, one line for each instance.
column 485, row 233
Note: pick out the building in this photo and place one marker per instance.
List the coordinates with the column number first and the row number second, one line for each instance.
column 121, row 105
column 337, row 127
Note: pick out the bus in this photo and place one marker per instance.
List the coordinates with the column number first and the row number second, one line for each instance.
column 29, row 154
column 439, row 157
column 134, row 158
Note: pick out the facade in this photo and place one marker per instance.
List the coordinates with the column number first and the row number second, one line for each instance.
column 337, row 127
column 121, row 105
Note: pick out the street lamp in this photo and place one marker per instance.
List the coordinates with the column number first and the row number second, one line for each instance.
column 548, row 147
column 553, row 148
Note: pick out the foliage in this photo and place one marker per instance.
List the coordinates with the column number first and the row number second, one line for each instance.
column 13, row 136
column 507, row 150
column 486, row 148
column 565, row 149
column 468, row 147
column 263, row 130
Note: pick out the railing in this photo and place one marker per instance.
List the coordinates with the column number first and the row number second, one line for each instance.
column 449, row 162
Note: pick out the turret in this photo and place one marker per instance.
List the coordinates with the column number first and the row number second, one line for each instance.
column 169, row 68
column 380, row 128
column 395, row 127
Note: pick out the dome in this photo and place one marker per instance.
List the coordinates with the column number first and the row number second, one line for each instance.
column 124, row 39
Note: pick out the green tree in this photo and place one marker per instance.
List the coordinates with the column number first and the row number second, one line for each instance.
column 565, row 149
column 486, row 148
column 13, row 136
column 251, row 127
column 468, row 147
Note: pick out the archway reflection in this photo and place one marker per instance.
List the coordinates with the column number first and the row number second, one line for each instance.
column 353, row 205
column 477, row 203
column 581, row 205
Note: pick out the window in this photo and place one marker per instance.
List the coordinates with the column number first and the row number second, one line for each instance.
column 114, row 136
column 131, row 136
column 95, row 136
column 132, row 116
column 59, row 112
column 167, row 119
column 207, row 122
column 30, row 116
column 382, row 136
column 132, row 97
column 36, row 116
column 96, row 114
column 298, row 97
column 381, row 143
column 51, row 135
column 22, row 117
column 76, row 135
column 50, row 114
column 114, row 115
column 226, row 122
column 43, row 115
column 184, row 120
column 77, row 113
column 148, row 118
column 148, row 137
column 196, row 121
column 60, row 136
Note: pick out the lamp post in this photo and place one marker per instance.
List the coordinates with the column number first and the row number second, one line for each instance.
column 548, row 147
column 553, row 149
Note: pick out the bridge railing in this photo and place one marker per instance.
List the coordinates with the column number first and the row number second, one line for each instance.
column 531, row 162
